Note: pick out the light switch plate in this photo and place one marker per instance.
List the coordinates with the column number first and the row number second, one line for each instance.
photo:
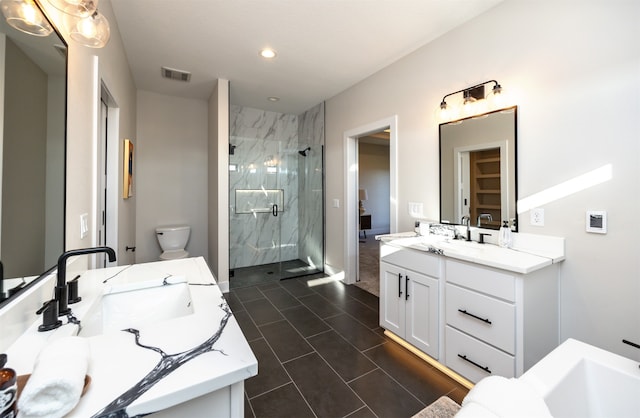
column 537, row 217
column 336, row 203
column 415, row 209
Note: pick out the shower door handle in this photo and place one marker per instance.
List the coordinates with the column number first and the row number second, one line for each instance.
column 274, row 210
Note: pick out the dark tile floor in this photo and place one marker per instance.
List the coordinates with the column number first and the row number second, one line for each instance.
column 321, row 353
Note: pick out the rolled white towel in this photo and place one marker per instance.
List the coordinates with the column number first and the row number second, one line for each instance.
column 507, row 398
column 57, row 380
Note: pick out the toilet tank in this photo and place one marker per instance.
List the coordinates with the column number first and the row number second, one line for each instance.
column 173, row 237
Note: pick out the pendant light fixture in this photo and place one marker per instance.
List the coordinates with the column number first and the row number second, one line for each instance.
column 92, row 31
column 84, row 23
column 26, row 16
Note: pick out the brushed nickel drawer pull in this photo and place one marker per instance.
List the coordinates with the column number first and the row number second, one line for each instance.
column 485, row 368
column 474, row 316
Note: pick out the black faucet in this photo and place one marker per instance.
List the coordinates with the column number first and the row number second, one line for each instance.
column 61, row 286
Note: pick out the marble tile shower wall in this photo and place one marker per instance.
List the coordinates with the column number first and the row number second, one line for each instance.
column 310, row 182
column 260, row 137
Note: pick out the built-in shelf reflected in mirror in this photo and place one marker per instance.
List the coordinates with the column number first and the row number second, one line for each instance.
column 478, row 176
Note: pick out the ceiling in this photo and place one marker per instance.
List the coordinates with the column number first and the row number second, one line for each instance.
column 323, row 46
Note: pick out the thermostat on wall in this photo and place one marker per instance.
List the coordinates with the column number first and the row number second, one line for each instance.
column 597, row 221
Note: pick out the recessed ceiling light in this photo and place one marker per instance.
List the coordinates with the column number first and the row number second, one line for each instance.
column 273, row 99
column 268, row 53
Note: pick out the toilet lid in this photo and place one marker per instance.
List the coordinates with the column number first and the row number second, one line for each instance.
column 172, row 255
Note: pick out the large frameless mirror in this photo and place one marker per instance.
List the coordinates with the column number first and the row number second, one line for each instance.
column 478, row 170
column 33, row 141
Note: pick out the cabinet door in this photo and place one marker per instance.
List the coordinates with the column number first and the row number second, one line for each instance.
column 421, row 300
column 392, row 298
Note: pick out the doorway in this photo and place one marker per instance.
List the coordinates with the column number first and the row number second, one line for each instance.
column 106, row 197
column 351, row 193
column 374, row 208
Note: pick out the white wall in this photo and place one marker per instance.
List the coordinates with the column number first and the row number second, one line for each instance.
column 373, row 175
column 86, row 68
column 573, row 70
column 171, row 171
column 218, row 186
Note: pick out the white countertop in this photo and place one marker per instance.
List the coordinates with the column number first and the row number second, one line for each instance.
column 514, row 260
column 118, row 363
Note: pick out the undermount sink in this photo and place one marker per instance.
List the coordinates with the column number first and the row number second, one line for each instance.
column 445, row 244
column 579, row 380
column 137, row 305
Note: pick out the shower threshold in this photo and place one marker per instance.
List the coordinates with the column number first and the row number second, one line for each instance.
column 253, row 275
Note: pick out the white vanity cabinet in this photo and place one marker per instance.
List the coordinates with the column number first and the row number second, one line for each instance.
column 409, row 296
column 498, row 322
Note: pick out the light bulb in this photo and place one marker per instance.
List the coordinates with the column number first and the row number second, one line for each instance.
column 28, row 13
column 92, row 31
column 498, row 99
column 87, row 28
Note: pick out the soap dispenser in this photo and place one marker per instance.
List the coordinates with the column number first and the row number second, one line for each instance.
column 504, row 239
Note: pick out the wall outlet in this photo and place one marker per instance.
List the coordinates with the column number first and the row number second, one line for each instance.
column 537, row 217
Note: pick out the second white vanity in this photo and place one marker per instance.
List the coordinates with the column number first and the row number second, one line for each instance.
column 478, row 309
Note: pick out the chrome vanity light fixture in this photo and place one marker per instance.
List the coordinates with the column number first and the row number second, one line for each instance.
column 25, row 16
column 474, row 102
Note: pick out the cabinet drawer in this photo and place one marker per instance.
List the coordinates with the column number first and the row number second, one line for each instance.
column 488, row 361
column 415, row 260
column 482, row 279
column 484, row 317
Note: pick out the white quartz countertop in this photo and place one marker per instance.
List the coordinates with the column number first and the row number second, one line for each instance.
column 514, row 260
column 221, row 354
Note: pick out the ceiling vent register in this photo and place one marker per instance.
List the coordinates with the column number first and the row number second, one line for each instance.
column 173, row 74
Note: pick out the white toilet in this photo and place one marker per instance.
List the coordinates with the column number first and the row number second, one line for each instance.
column 173, row 239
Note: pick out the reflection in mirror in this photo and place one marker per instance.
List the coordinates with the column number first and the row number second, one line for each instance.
column 478, row 170
column 32, row 141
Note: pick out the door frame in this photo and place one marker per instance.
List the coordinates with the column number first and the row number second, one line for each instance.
column 113, row 171
column 351, row 212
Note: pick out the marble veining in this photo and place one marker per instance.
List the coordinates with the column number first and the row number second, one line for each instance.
column 161, row 364
column 167, row 364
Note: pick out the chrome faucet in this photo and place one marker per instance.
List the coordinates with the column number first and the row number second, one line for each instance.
column 61, row 294
column 486, row 216
column 466, row 220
